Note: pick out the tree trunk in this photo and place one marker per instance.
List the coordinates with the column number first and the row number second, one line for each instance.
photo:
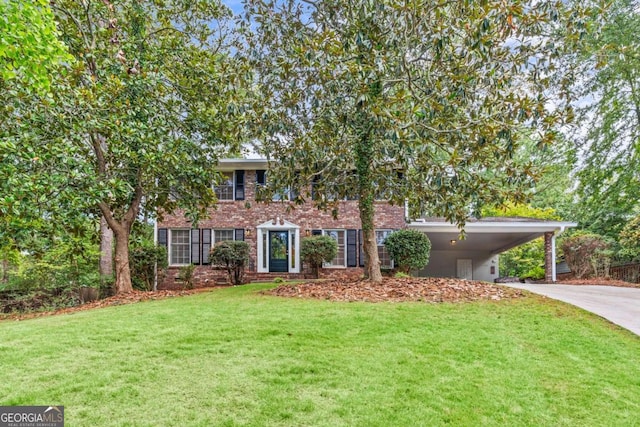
column 106, row 249
column 372, row 260
column 123, row 272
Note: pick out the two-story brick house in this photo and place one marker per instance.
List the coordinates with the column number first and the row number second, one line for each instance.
column 272, row 231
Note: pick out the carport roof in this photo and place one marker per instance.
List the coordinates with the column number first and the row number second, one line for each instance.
column 491, row 234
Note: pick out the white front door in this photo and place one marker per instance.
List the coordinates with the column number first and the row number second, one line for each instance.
column 464, row 269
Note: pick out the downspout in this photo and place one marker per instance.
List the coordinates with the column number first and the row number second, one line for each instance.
column 553, row 253
column 155, row 265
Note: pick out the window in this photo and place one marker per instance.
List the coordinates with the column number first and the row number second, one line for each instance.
column 339, row 237
column 385, row 259
column 222, row 235
column 180, row 247
column 224, row 189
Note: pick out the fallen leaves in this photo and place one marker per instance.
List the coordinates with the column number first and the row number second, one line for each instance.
column 427, row 289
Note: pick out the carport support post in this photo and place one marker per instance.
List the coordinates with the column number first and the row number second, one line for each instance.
column 549, row 258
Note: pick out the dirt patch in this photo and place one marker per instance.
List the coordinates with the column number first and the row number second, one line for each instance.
column 127, row 298
column 427, row 289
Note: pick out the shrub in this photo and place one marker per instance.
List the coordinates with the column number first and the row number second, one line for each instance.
column 142, row 260
column 401, row 275
column 233, row 255
column 318, row 249
column 409, row 249
column 630, row 239
column 587, row 254
column 278, row 280
column 186, row 275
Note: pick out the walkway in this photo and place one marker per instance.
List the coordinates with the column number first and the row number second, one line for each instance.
column 618, row 305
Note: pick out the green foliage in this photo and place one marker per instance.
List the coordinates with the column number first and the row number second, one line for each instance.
column 316, row 250
column 510, row 209
column 362, row 90
column 186, row 275
column 144, row 257
column 523, row 261
column 587, row 254
column 233, row 255
column 127, row 131
column 278, row 280
column 630, row 239
column 536, row 273
column 608, row 139
column 401, row 275
column 30, row 50
column 409, row 249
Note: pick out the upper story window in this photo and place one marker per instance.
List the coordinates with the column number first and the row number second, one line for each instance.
column 341, row 258
column 224, row 189
column 261, row 181
column 231, row 186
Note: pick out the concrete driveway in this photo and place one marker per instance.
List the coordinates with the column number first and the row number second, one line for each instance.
column 618, row 305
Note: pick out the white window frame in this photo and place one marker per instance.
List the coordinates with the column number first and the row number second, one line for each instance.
column 233, row 186
column 171, row 244
column 344, row 248
column 380, row 244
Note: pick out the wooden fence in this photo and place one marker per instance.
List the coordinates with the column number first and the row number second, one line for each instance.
column 626, row 272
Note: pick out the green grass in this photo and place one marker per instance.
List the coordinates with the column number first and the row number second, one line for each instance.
column 234, row 357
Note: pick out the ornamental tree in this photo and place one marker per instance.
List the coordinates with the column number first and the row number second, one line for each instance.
column 395, row 99
column 137, row 125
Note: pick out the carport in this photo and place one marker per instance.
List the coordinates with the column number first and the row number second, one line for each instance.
column 476, row 256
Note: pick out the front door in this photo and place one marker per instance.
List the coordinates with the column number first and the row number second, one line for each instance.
column 464, row 269
column 278, row 251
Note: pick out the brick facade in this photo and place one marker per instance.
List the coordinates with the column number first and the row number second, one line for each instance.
column 248, row 214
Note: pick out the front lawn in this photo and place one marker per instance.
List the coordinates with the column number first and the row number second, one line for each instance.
column 235, row 357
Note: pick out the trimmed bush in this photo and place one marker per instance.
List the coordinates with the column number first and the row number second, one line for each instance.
column 316, row 250
column 232, row 255
column 409, row 249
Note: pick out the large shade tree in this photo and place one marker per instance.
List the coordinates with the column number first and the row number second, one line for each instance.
column 608, row 137
column 139, row 122
column 406, row 99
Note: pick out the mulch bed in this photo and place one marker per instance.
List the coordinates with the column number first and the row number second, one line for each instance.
column 127, row 298
column 598, row 281
column 432, row 290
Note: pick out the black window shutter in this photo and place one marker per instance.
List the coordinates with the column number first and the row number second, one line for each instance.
column 239, row 185
column 206, row 246
column 361, row 250
column 261, row 178
column 195, row 246
column 162, row 237
column 239, row 234
column 316, row 232
column 352, row 245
